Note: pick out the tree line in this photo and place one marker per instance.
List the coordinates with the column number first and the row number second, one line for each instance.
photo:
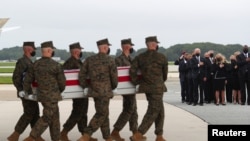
column 172, row 52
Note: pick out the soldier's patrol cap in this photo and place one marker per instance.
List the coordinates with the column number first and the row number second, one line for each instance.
column 32, row 44
column 75, row 45
column 47, row 44
column 102, row 42
column 152, row 39
column 127, row 41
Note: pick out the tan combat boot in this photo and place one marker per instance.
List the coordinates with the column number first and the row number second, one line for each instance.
column 109, row 139
column 116, row 136
column 64, row 135
column 29, row 139
column 159, row 138
column 93, row 139
column 137, row 136
column 14, row 136
column 84, row 137
column 40, row 139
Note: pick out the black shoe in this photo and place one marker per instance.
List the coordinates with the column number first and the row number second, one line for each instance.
column 194, row 104
column 242, row 103
column 201, row 104
column 189, row 103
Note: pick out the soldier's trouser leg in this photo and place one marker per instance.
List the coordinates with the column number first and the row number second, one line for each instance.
column 159, row 121
column 129, row 113
column 154, row 111
column 30, row 115
column 105, row 129
column 78, row 115
column 49, row 118
column 100, row 118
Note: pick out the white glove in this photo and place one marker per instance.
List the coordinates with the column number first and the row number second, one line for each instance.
column 136, row 88
column 115, row 91
column 32, row 97
column 21, row 93
column 85, row 92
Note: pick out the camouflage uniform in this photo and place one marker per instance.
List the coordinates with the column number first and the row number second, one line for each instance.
column 80, row 105
column 51, row 82
column 154, row 70
column 30, row 108
column 129, row 112
column 102, row 72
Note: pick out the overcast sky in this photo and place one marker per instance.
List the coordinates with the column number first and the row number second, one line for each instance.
column 172, row 21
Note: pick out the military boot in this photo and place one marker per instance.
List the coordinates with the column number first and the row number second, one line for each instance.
column 84, row 137
column 93, row 139
column 159, row 138
column 64, row 135
column 137, row 136
column 29, row 139
column 116, row 136
column 14, row 136
column 109, row 139
column 40, row 139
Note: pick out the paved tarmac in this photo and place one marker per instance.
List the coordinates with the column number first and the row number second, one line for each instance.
column 182, row 121
column 230, row 114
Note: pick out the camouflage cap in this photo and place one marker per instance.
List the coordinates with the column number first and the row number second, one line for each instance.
column 127, row 41
column 32, row 44
column 102, row 42
column 75, row 45
column 47, row 44
column 152, row 39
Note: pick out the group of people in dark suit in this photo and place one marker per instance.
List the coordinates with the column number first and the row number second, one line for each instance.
column 211, row 78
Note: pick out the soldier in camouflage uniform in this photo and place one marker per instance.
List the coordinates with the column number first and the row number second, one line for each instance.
column 154, row 70
column 30, row 108
column 80, row 105
column 129, row 112
column 102, row 72
column 51, row 81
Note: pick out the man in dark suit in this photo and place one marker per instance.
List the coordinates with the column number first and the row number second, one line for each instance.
column 198, row 76
column 208, row 90
column 183, row 70
column 243, row 61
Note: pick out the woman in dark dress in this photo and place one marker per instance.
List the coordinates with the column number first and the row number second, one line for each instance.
column 220, row 73
column 236, row 83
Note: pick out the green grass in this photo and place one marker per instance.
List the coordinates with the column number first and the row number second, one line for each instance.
column 170, row 62
column 7, row 63
column 5, row 80
column 6, row 70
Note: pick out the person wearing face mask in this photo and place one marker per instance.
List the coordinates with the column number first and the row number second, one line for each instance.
column 154, row 70
column 243, row 62
column 235, row 80
column 209, row 91
column 101, row 69
column 30, row 108
column 129, row 112
column 199, row 76
column 79, row 111
column 219, row 69
column 51, row 82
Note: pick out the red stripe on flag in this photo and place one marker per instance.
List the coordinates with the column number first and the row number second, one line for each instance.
column 72, row 82
column 76, row 82
column 124, row 78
